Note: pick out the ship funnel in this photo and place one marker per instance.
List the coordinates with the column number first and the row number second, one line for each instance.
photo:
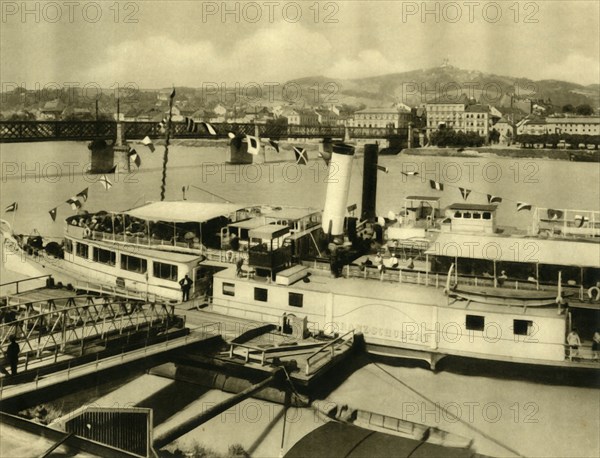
column 369, row 188
column 338, row 179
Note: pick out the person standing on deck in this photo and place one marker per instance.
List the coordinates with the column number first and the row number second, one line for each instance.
column 574, row 343
column 596, row 345
column 186, row 284
column 12, row 354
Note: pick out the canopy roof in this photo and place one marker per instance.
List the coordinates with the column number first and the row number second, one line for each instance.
column 476, row 207
column 577, row 253
column 269, row 231
column 183, row 211
column 338, row 440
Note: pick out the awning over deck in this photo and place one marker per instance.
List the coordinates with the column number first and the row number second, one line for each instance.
column 183, row 211
column 269, row 231
column 513, row 249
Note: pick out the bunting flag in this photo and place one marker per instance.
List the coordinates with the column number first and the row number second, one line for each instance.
column 383, row 169
column 172, row 96
column 410, row 174
column 211, row 130
column 12, row 207
column 436, row 185
column 523, row 206
column 74, row 203
column 113, row 170
column 104, row 181
column 147, row 142
column 301, row 155
column 325, row 158
column 581, row 220
column 351, row 208
column 464, row 193
column 494, row 199
column 554, row 214
column 253, row 145
column 274, row 144
column 136, row 159
column 190, row 125
column 231, row 135
column 53, row 213
column 163, row 123
column 184, row 189
column 83, row 195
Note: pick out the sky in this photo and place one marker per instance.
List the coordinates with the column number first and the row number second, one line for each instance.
column 154, row 44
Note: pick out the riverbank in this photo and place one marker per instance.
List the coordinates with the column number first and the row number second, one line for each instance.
column 491, row 151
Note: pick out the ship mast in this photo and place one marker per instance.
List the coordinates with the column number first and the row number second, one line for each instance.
column 163, row 185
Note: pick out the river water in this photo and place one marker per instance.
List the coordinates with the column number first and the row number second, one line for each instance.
column 525, row 415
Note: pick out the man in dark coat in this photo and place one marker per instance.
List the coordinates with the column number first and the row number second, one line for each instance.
column 186, row 284
column 12, row 354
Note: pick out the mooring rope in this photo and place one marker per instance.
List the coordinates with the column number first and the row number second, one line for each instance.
column 467, row 424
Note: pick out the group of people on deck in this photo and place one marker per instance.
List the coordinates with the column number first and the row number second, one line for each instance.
column 574, row 342
column 131, row 227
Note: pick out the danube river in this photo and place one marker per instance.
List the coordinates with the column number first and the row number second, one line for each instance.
column 523, row 414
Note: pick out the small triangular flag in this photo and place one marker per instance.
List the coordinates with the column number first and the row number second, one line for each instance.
column 83, row 195
column 53, row 214
column 464, row 193
column 523, row 206
column 172, row 96
column 383, row 169
column 211, row 130
column 410, row 174
column 494, row 199
column 12, row 207
column 136, row 159
column 274, row 144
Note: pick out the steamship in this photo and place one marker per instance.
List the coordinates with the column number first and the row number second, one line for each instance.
column 422, row 284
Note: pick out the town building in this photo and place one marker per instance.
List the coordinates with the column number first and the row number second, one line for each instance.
column 382, row 117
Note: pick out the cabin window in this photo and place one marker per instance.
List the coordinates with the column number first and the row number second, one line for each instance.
column 68, row 248
column 522, row 327
column 105, row 256
column 134, row 264
column 475, row 322
column 487, row 215
column 228, row 289
column 261, row 294
column 82, row 250
column 295, row 299
column 467, row 215
column 476, row 215
column 457, row 215
column 165, row 271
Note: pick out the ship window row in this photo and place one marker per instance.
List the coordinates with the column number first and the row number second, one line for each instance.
column 130, row 263
column 472, row 215
column 520, row 327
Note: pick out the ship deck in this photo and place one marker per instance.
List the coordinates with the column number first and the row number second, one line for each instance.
column 391, row 291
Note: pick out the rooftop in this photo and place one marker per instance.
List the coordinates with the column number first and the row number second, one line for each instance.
column 183, row 211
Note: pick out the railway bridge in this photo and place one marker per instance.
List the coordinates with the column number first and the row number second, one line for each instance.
column 35, row 131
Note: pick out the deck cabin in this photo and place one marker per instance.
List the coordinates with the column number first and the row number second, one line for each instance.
column 549, row 222
column 420, row 211
column 269, row 251
column 466, row 217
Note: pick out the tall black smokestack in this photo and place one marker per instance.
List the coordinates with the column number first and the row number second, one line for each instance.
column 369, row 190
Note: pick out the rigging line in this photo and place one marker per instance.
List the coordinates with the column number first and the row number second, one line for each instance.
column 211, row 193
column 477, row 430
